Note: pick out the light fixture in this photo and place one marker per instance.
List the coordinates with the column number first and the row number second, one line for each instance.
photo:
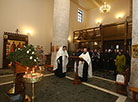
column 119, row 16
column 76, row 37
column 95, row 43
column 28, row 32
column 105, row 8
column 69, row 39
column 98, row 21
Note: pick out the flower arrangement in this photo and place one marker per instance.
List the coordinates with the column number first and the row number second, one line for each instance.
column 26, row 56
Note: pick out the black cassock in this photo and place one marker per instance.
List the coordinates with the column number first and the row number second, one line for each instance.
column 84, row 77
column 58, row 72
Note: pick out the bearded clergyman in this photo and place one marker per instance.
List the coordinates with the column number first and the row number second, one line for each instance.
column 85, row 67
column 61, row 61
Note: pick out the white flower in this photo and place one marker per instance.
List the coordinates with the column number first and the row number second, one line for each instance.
column 27, row 51
column 24, row 46
column 18, row 48
column 31, row 57
column 33, row 52
column 35, row 60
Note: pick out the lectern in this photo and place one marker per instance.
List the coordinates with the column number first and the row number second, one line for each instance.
column 76, row 80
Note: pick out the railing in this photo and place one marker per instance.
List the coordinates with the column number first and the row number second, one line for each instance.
column 114, row 31
column 87, row 34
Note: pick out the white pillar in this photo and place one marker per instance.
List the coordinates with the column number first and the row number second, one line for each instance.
column 134, row 61
column 60, row 25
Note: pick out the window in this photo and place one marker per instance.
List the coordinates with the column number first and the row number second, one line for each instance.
column 80, row 15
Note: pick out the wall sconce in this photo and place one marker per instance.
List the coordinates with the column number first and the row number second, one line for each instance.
column 69, row 39
column 98, row 21
column 119, row 16
column 28, row 32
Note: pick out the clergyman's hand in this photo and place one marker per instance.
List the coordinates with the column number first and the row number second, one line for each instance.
column 58, row 61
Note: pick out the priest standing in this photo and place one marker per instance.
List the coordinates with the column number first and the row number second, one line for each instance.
column 61, row 62
column 85, row 67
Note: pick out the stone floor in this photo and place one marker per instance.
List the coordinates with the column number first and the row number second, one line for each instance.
column 5, row 71
column 105, row 74
column 53, row 89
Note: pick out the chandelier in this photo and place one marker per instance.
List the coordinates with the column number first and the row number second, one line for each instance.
column 105, row 8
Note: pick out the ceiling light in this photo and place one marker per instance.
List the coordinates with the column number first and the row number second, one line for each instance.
column 105, row 8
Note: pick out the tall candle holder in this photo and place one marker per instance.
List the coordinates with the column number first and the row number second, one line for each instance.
column 33, row 78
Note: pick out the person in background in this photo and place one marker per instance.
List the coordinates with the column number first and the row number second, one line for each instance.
column 111, row 59
column 115, row 53
column 102, row 60
column 120, row 62
column 81, row 50
column 92, row 58
column 60, row 66
column 98, row 62
column 128, row 59
column 95, row 57
column 91, row 54
column 78, row 52
column 114, row 58
column 106, row 58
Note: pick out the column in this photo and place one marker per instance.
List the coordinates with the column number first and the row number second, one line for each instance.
column 60, row 25
column 130, row 11
column 134, row 61
column 129, row 18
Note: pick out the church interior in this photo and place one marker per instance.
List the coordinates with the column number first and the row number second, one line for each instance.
column 42, row 39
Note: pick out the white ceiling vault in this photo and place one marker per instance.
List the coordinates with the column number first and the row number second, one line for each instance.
column 90, row 4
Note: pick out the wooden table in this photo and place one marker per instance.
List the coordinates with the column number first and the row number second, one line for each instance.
column 134, row 92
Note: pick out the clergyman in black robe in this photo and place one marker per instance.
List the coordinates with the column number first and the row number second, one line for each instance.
column 61, row 62
column 85, row 67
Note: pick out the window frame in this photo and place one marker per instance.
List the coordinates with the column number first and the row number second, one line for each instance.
column 80, row 15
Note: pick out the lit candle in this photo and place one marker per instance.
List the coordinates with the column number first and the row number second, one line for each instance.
column 40, row 69
column 25, row 73
column 33, row 70
column 31, row 73
column 27, row 69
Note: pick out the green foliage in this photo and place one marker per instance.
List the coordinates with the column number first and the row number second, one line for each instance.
column 26, row 55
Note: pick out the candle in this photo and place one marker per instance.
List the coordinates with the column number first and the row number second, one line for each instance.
column 33, row 70
column 25, row 73
column 40, row 69
column 27, row 69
